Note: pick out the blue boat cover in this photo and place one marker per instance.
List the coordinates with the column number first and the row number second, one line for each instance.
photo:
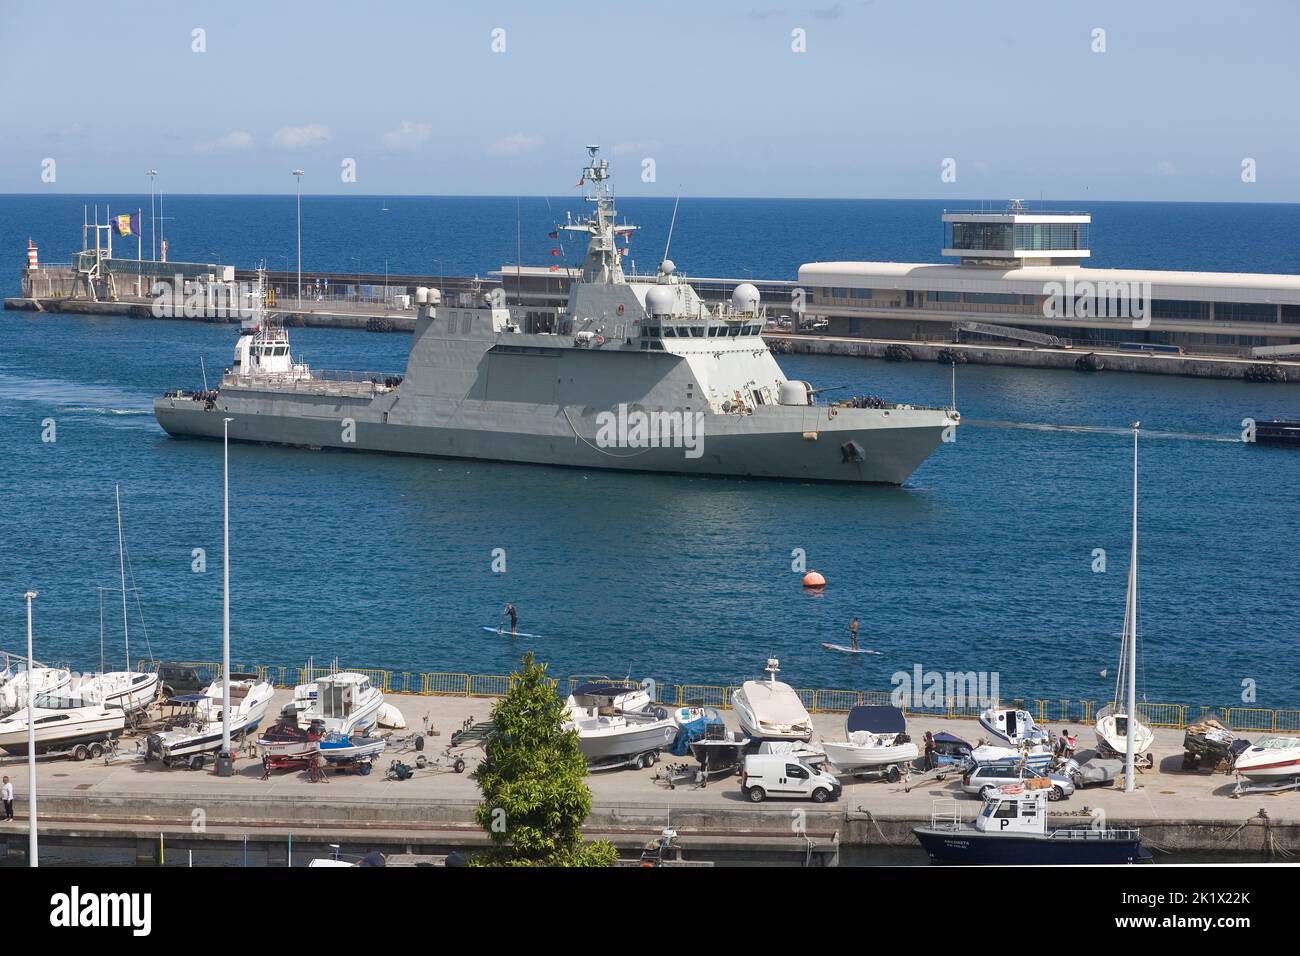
column 187, row 699
column 694, row 730
column 876, row 720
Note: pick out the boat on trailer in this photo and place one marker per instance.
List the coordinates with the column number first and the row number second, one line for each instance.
column 249, row 701
column 771, row 710
column 62, row 723
column 877, row 741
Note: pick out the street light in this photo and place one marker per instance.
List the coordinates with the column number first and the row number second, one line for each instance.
column 298, row 173
column 224, row 766
column 32, row 859
column 153, row 245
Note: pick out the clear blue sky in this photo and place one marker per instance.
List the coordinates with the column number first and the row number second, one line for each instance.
column 886, row 90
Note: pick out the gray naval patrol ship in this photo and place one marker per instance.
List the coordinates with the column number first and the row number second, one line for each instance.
column 638, row 373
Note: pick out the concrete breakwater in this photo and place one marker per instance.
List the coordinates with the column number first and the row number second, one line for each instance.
column 136, row 807
column 340, row 314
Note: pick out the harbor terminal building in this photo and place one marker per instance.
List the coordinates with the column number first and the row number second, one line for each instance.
column 1022, row 274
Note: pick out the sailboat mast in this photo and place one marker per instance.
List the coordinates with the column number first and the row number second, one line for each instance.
column 1130, row 637
column 121, row 565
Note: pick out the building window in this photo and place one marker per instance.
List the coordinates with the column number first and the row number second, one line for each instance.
column 981, row 235
column 944, row 296
column 993, row 298
column 1245, row 312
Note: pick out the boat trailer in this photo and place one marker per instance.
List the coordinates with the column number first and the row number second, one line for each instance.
column 1246, row 790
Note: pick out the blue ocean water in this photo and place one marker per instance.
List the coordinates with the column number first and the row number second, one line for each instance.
column 983, row 561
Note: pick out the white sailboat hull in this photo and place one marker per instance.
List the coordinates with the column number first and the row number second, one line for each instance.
column 1112, row 736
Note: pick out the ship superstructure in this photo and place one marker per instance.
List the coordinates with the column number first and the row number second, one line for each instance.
column 638, row 373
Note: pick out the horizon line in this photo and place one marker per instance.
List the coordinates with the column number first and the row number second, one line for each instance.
column 551, row 196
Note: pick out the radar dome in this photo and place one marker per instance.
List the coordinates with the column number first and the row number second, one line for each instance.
column 660, row 300
column 668, row 267
column 745, row 298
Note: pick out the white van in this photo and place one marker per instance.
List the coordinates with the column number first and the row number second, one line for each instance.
column 783, row 775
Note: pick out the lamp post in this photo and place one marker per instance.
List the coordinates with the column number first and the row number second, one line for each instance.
column 225, row 766
column 32, row 858
column 153, row 244
column 298, row 173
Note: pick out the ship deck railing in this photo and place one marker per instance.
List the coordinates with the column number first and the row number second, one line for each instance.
column 945, row 815
column 328, row 381
column 1093, row 833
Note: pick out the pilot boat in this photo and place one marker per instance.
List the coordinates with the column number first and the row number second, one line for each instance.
column 1012, row 829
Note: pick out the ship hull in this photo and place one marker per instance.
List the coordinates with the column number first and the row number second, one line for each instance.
column 804, row 444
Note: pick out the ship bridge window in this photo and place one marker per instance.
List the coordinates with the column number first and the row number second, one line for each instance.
column 670, row 332
column 715, row 331
column 733, row 331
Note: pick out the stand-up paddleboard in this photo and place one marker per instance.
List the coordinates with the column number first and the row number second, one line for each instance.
column 505, row 632
column 849, row 650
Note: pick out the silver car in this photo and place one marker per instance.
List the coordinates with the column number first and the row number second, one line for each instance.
column 981, row 779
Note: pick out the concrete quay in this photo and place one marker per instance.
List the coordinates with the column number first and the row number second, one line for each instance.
column 129, row 804
column 983, row 353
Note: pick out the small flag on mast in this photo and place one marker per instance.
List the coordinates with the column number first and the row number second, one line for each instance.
column 127, row 224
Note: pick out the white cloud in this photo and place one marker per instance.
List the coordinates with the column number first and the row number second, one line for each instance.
column 301, row 137
column 631, row 149
column 408, row 135
column 516, row 143
column 233, row 142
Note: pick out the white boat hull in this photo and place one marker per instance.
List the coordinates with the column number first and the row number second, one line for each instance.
column 1110, row 740
column 82, row 725
column 850, row 756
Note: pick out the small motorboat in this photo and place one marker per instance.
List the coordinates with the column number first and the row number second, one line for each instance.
column 617, row 721
column 1011, row 829
column 1037, row 756
column 720, row 751
column 202, row 732
column 694, row 723
column 339, row 748
column 1013, row 726
column 950, row 750
column 877, row 740
column 287, row 741
column 344, row 702
column 1273, row 759
column 771, row 710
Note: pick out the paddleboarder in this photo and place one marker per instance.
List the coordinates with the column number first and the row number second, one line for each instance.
column 514, row 618
column 853, row 633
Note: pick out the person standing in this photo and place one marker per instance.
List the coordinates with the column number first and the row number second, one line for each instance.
column 514, row 618
column 853, row 633
column 929, row 750
column 7, row 795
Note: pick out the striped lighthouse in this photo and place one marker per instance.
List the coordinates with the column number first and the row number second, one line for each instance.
column 32, row 263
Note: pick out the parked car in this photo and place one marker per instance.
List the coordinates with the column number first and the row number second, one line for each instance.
column 178, row 679
column 981, row 780
column 781, row 775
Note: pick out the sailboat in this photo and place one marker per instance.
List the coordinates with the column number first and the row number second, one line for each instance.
column 132, row 691
column 1119, row 732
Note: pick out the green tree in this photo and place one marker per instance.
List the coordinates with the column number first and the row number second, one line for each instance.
column 535, row 796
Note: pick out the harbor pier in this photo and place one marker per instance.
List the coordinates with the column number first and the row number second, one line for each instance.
column 142, row 812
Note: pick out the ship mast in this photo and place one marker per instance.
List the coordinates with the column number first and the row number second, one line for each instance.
column 604, row 264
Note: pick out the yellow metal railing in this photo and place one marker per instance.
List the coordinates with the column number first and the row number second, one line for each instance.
column 817, row 700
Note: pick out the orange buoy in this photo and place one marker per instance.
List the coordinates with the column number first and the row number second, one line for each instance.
column 814, row 580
